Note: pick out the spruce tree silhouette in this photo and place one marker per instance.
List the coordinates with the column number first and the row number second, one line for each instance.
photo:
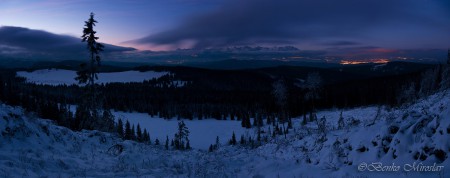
column 92, row 45
column 88, row 74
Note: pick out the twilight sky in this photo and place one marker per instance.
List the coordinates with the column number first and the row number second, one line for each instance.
column 171, row 24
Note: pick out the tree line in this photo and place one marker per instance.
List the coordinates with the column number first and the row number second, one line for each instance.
column 194, row 102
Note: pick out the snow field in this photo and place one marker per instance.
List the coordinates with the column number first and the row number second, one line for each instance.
column 202, row 134
column 67, row 77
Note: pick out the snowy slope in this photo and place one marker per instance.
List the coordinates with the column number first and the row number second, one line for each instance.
column 31, row 147
column 407, row 137
column 61, row 76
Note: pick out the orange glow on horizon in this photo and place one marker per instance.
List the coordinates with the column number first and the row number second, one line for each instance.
column 354, row 62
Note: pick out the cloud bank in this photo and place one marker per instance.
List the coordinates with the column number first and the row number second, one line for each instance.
column 310, row 22
column 24, row 41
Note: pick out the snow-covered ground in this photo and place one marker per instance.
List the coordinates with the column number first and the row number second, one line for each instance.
column 412, row 141
column 61, row 76
column 203, row 133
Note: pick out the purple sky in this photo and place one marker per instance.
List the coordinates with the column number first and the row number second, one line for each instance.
column 306, row 24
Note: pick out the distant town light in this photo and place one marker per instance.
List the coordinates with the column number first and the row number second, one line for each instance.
column 367, row 61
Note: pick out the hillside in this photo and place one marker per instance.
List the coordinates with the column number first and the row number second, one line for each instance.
column 417, row 135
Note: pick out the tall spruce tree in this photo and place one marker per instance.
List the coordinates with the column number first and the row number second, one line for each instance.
column 119, row 128
column 217, row 145
column 107, row 121
column 127, row 135
column 88, row 74
column 242, row 140
column 139, row 137
column 280, row 93
column 133, row 133
column 182, row 136
column 233, row 139
column 144, row 135
column 167, row 143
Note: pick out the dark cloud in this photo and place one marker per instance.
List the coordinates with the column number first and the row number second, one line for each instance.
column 296, row 21
column 24, row 40
column 341, row 43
